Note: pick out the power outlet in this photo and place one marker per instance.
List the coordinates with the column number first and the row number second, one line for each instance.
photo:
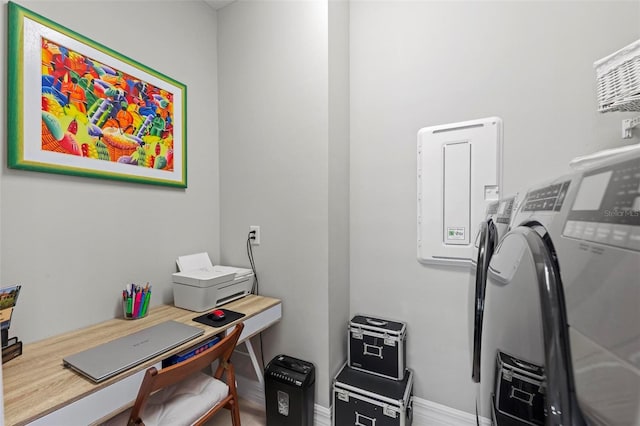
column 256, row 240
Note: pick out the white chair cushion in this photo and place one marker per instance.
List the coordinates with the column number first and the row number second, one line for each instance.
column 180, row 404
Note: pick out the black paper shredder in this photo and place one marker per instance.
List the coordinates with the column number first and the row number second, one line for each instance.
column 289, row 386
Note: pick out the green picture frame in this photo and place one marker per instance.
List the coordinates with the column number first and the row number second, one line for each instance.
column 77, row 107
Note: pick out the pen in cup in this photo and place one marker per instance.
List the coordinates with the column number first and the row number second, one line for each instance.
column 135, row 301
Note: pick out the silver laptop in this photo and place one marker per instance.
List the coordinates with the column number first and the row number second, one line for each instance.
column 106, row 360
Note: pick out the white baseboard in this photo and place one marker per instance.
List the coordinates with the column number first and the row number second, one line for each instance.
column 322, row 416
column 425, row 412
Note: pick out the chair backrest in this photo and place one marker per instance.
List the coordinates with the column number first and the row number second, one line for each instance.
column 155, row 380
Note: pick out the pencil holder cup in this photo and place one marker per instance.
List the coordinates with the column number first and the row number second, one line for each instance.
column 136, row 306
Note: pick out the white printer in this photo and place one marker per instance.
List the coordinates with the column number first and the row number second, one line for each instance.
column 200, row 286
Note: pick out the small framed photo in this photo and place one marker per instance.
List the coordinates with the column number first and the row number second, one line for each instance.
column 8, row 300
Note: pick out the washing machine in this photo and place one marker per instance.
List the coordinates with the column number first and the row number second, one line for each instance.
column 523, row 287
column 563, row 293
column 492, row 228
column 495, row 224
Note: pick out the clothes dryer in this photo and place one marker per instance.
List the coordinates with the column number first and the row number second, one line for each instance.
column 563, row 292
column 599, row 251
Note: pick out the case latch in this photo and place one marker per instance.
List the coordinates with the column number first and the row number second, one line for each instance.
column 357, row 334
column 390, row 411
column 543, row 386
column 343, row 395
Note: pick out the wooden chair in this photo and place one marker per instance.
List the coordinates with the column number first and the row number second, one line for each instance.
column 183, row 395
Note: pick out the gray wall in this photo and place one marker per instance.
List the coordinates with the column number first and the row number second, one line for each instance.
column 74, row 243
column 338, row 184
column 274, row 127
column 417, row 64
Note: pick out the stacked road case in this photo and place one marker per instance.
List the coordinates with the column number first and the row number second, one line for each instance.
column 519, row 392
column 374, row 388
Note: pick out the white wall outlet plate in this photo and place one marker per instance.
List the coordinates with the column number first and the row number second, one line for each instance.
column 256, row 240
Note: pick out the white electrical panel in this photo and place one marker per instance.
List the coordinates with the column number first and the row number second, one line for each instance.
column 459, row 174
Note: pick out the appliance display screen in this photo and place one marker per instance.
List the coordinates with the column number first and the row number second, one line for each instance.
column 591, row 192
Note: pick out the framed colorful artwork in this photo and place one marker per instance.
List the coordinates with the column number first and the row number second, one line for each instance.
column 77, row 107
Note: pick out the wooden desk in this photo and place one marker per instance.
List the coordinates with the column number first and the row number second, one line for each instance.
column 37, row 385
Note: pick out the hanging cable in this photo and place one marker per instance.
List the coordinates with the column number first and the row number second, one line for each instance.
column 255, row 289
column 250, row 237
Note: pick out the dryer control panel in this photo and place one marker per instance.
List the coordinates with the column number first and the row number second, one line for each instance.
column 606, row 209
column 549, row 198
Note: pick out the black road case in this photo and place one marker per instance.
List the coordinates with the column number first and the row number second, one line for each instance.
column 364, row 399
column 289, row 387
column 519, row 390
column 377, row 346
